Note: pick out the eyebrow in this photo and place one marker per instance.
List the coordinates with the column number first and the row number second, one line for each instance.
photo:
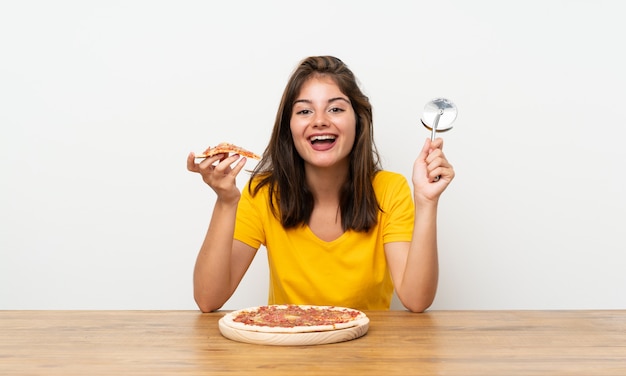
column 331, row 100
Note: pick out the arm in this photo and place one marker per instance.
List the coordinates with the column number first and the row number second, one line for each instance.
column 221, row 261
column 414, row 266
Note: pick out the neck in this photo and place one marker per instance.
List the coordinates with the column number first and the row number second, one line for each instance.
column 325, row 183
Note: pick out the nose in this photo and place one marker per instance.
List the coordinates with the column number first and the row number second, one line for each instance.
column 320, row 119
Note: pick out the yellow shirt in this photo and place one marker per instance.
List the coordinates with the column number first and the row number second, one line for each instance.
column 350, row 271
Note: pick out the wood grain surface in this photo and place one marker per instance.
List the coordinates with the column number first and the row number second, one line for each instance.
column 397, row 343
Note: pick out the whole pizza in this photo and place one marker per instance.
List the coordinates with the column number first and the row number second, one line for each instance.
column 291, row 318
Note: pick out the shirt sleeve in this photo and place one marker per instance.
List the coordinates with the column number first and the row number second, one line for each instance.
column 398, row 209
column 249, row 222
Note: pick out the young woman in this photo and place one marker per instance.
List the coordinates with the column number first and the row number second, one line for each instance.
column 338, row 229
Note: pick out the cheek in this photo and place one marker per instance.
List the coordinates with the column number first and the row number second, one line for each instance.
column 293, row 131
column 352, row 141
column 351, row 133
column 296, row 137
column 293, row 126
column 297, row 130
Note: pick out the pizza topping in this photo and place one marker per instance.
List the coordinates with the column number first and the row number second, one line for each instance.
column 290, row 316
column 227, row 148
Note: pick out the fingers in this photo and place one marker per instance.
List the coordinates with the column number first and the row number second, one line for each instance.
column 425, row 150
column 225, row 165
column 437, row 143
column 218, row 164
column 239, row 166
column 434, row 149
column 191, row 162
column 437, row 165
column 429, row 146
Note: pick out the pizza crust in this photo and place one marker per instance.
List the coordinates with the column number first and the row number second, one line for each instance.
column 359, row 319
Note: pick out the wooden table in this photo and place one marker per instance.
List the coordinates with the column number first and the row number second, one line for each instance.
column 398, row 343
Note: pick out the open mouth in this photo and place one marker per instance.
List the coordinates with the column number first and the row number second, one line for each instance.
column 322, row 139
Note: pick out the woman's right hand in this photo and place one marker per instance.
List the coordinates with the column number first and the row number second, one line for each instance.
column 217, row 171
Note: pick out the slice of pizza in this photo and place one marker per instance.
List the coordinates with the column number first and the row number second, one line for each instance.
column 227, row 148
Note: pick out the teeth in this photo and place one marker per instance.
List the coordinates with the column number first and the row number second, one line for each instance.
column 322, row 137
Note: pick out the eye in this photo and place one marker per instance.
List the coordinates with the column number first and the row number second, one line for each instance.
column 303, row 112
column 336, row 109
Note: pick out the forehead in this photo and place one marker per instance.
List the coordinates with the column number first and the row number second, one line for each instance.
column 319, row 85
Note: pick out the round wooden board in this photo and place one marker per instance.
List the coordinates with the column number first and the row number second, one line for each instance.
column 294, row 339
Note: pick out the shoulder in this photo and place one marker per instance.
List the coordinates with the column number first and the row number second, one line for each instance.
column 388, row 179
column 256, row 187
column 391, row 188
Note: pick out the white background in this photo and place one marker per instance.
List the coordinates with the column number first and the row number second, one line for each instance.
column 101, row 101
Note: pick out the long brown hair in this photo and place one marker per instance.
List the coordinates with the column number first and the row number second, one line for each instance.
column 282, row 168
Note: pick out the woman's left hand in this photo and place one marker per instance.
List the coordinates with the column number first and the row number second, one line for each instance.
column 431, row 171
